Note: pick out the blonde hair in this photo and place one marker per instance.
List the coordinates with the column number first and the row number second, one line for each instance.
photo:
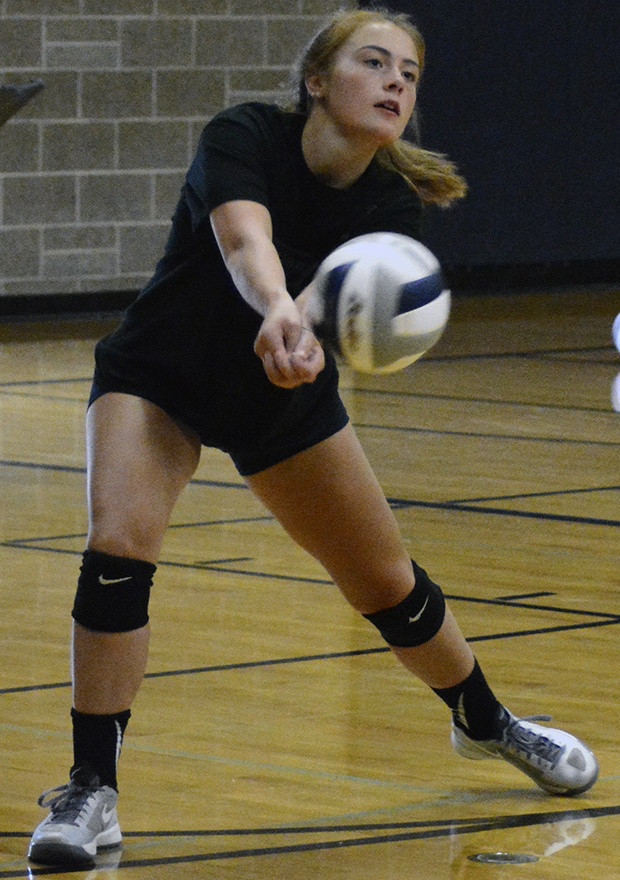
column 434, row 177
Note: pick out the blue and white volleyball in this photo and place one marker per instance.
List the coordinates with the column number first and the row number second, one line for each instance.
column 380, row 302
column 615, row 332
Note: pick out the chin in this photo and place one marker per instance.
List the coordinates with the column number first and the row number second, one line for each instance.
column 387, row 141
column 387, row 135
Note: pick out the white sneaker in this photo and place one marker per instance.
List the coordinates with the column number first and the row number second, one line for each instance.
column 557, row 761
column 82, row 820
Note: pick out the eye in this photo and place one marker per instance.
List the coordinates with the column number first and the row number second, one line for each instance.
column 410, row 76
column 374, row 62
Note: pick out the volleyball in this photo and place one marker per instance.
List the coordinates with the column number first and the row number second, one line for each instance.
column 615, row 332
column 380, row 301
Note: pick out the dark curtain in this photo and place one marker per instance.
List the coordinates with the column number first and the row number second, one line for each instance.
column 524, row 97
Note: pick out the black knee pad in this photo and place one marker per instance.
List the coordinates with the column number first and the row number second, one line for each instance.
column 417, row 619
column 113, row 593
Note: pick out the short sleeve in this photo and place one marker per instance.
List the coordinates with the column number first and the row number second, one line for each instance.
column 232, row 162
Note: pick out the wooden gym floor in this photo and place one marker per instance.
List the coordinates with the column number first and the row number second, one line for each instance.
column 275, row 738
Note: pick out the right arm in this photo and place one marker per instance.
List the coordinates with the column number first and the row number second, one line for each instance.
column 289, row 350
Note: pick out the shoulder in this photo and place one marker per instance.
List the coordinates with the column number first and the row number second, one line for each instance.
column 243, row 152
column 255, row 117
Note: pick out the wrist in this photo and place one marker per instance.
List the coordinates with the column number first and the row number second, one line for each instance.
column 277, row 301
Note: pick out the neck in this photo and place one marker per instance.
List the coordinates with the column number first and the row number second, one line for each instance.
column 332, row 158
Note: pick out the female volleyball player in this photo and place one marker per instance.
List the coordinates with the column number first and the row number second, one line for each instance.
column 217, row 351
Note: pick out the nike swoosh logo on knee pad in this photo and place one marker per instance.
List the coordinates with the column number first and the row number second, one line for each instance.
column 420, row 613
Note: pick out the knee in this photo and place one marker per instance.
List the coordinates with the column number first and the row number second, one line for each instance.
column 126, row 535
column 126, row 526
column 113, row 593
column 415, row 620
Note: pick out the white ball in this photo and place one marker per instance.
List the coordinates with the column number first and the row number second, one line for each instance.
column 380, row 301
column 615, row 332
column 615, row 394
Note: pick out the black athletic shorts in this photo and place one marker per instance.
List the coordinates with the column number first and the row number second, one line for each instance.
column 256, row 430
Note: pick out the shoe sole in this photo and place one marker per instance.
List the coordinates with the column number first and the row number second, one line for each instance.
column 54, row 852
column 57, row 854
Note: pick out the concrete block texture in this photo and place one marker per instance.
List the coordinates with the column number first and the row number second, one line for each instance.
column 91, row 167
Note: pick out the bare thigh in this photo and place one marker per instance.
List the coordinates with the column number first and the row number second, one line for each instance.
column 139, row 460
column 330, row 502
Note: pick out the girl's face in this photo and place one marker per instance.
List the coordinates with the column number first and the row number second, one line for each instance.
column 370, row 89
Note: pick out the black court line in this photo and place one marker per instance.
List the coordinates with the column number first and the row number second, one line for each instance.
column 555, row 355
column 227, row 560
column 397, row 502
column 46, row 398
column 515, row 601
column 410, row 832
column 530, row 606
column 266, row 575
column 512, row 820
column 523, row 404
column 379, row 392
column 462, row 398
column 218, row 567
column 313, row 658
column 523, row 355
column 450, row 596
column 24, row 543
column 550, row 494
column 608, row 359
column 220, row 522
column 530, row 514
column 75, row 469
column 507, row 512
column 443, row 432
column 499, row 822
column 546, row 630
column 43, row 466
column 29, row 383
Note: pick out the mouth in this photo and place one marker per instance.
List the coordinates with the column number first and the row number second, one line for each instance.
column 390, row 106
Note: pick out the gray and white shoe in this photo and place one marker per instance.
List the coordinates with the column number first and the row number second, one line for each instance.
column 557, row 761
column 82, row 821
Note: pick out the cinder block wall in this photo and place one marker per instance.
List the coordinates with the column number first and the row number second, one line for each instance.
column 90, row 169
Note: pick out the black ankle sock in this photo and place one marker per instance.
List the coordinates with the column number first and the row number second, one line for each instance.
column 474, row 706
column 97, row 741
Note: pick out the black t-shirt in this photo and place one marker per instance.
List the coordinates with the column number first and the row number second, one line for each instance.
column 190, row 325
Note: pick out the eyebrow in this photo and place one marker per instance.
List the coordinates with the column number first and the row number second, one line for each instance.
column 387, row 54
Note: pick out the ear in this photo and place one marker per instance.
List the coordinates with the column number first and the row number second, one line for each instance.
column 315, row 85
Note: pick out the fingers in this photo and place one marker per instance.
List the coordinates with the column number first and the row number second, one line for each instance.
column 308, row 358
column 296, row 360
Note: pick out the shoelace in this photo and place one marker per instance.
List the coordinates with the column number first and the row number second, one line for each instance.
column 531, row 743
column 69, row 799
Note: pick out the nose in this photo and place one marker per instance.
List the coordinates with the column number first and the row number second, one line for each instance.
column 395, row 88
column 396, row 81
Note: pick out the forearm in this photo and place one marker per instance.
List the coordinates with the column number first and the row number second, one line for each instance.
column 290, row 355
column 244, row 234
column 257, row 274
